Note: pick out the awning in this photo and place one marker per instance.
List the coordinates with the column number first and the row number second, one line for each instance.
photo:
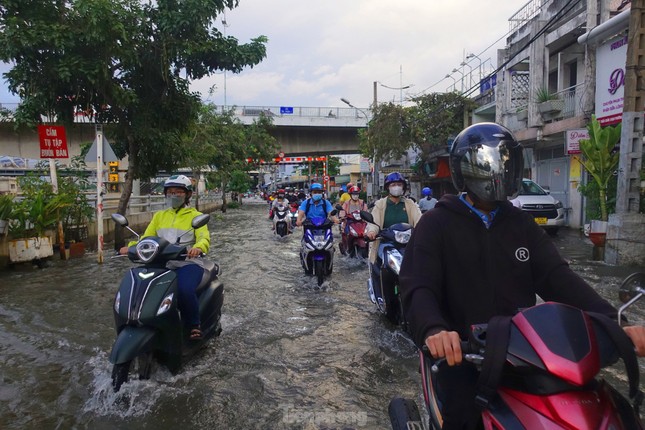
column 607, row 29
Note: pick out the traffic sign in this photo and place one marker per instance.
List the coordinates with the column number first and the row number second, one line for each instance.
column 281, row 155
column 53, row 141
column 286, row 110
column 326, row 178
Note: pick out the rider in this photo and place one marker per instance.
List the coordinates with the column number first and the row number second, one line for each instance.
column 315, row 206
column 173, row 224
column 353, row 204
column 388, row 211
column 475, row 256
column 428, row 201
column 346, row 195
column 281, row 200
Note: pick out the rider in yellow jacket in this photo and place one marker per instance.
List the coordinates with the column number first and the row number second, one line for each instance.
column 174, row 225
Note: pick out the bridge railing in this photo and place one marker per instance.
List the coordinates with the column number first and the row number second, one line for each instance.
column 7, row 110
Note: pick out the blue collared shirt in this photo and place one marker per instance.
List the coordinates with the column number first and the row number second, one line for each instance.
column 486, row 219
column 315, row 209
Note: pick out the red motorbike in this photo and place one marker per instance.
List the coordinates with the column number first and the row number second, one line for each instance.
column 546, row 376
column 352, row 241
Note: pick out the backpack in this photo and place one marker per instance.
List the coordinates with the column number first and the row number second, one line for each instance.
column 324, row 203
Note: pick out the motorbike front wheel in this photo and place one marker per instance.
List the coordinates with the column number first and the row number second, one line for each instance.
column 319, row 271
column 120, row 375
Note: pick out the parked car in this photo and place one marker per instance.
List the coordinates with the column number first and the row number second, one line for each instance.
column 547, row 211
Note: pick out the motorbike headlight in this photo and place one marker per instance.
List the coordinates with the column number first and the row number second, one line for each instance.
column 357, row 216
column 402, row 237
column 319, row 244
column 166, row 303
column 394, row 260
column 147, row 250
column 117, row 302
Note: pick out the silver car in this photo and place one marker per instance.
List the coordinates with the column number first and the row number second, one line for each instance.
column 547, row 211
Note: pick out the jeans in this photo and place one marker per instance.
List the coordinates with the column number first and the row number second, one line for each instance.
column 188, row 278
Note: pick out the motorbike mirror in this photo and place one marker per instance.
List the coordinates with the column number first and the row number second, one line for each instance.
column 120, row 219
column 339, row 208
column 633, row 286
column 200, row 220
column 367, row 216
column 333, row 213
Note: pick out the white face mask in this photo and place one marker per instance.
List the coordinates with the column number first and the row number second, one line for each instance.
column 396, row 190
column 354, row 197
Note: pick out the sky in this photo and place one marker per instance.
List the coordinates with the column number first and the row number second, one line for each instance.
column 321, row 51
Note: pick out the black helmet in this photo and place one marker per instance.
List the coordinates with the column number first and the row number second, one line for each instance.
column 487, row 161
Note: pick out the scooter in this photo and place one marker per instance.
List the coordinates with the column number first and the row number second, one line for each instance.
column 546, row 373
column 281, row 221
column 383, row 283
column 352, row 242
column 317, row 247
column 293, row 214
column 147, row 320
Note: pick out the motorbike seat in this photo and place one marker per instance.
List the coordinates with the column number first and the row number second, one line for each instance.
column 211, row 270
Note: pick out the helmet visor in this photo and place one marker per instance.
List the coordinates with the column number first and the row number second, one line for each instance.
column 493, row 173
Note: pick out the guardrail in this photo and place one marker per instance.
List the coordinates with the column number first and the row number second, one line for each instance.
column 147, row 203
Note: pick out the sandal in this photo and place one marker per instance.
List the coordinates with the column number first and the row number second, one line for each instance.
column 195, row 334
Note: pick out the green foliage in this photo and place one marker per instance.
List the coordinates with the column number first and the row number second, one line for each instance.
column 426, row 125
column 125, row 62
column 544, row 95
column 240, row 182
column 38, row 210
column 599, row 158
column 74, row 184
column 6, row 206
column 591, row 193
column 333, row 167
column 233, row 205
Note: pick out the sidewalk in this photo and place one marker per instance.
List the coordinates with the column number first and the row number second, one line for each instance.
column 576, row 248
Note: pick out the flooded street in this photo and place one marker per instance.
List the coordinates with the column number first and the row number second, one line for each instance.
column 291, row 355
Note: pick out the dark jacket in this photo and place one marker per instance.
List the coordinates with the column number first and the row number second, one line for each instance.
column 456, row 272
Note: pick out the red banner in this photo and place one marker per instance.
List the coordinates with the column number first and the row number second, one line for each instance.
column 53, row 141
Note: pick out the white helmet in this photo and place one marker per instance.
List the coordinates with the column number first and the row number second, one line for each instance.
column 178, row 181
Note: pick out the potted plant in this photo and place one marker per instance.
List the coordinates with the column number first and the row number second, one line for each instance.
column 547, row 102
column 31, row 216
column 6, row 205
column 78, row 213
column 600, row 160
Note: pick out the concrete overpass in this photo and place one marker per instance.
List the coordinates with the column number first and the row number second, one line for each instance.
column 298, row 130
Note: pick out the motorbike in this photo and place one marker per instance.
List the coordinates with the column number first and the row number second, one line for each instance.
column 542, row 366
column 293, row 214
column 352, row 242
column 281, row 221
column 383, row 283
column 147, row 319
column 317, row 247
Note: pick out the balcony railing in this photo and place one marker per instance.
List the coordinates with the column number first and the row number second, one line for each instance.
column 572, row 97
column 525, row 14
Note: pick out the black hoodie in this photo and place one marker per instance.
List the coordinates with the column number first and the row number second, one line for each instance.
column 456, row 272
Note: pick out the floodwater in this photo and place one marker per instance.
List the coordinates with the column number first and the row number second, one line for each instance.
column 291, row 355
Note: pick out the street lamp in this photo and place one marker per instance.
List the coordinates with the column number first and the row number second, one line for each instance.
column 397, row 88
column 462, row 77
column 367, row 127
column 455, row 81
column 470, row 74
column 471, row 55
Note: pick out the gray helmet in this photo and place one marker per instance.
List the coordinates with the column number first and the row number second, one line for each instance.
column 487, row 161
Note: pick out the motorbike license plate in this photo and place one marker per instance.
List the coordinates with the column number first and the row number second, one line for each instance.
column 541, row 220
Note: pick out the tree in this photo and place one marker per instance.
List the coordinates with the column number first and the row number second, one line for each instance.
column 387, row 135
column 123, row 62
column 600, row 159
column 222, row 143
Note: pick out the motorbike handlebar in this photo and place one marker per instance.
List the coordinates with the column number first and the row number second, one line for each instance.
column 468, row 351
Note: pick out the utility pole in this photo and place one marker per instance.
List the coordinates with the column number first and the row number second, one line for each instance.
column 626, row 231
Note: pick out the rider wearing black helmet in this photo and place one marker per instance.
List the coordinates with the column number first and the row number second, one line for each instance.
column 475, row 256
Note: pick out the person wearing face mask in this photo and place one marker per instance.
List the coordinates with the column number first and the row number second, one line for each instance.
column 315, row 206
column 353, row 204
column 174, row 225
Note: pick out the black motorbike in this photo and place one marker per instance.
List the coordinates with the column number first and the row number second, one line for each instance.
column 383, row 283
column 148, row 322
